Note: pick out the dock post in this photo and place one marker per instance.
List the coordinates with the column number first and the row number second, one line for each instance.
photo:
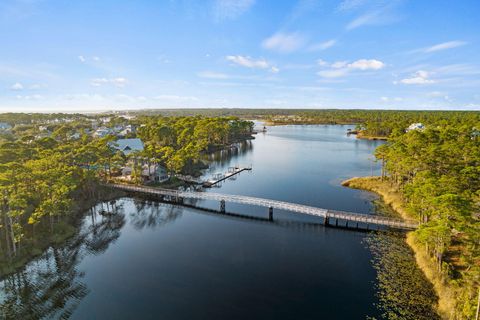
column 336, row 222
column 356, row 226
column 346, row 224
column 325, row 220
column 270, row 213
column 222, row 206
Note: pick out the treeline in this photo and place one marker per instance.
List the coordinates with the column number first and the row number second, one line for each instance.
column 179, row 142
column 378, row 123
column 438, row 172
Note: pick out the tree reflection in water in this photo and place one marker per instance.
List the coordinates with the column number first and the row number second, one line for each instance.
column 224, row 156
column 152, row 214
column 51, row 287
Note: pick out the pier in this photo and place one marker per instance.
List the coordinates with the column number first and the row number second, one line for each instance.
column 232, row 171
column 335, row 218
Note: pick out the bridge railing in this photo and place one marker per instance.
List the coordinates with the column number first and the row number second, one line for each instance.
column 277, row 204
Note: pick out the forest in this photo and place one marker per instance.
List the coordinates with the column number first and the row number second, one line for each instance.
column 46, row 181
column 437, row 171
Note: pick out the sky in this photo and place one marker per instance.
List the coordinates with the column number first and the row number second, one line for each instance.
column 91, row 55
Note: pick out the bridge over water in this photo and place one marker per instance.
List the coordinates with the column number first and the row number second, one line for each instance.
column 330, row 217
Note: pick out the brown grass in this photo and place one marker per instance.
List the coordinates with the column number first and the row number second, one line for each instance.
column 392, row 197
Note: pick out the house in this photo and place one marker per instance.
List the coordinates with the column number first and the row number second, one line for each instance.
column 154, row 173
column 5, row 126
column 127, row 130
column 128, row 146
column 118, row 128
column 475, row 133
column 102, row 132
column 75, row 136
column 415, row 126
column 150, row 173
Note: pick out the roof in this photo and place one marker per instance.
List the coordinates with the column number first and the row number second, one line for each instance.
column 5, row 126
column 128, row 146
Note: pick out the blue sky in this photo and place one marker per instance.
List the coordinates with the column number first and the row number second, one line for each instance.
column 91, row 55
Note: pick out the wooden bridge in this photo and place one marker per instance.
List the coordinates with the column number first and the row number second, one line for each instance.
column 349, row 219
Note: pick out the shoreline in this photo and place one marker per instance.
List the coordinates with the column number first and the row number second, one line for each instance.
column 69, row 228
column 358, row 135
column 390, row 195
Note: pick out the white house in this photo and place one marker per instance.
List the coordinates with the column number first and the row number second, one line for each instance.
column 128, row 146
column 415, row 126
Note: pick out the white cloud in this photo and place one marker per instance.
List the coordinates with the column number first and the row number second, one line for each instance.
column 419, row 77
column 335, row 73
column 96, row 59
column 366, row 19
column 231, row 9
column 284, row 42
column 395, row 99
column 381, row 13
column 82, row 59
column 322, row 45
column 365, row 64
column 445, row 46
column 342, row 68
column 118, row 82
column 17, row 86
column 249, row 62
column 212, row 75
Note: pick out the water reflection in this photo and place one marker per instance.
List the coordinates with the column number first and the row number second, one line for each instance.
column 153, row 214
column 51, row 286
column 222, row 157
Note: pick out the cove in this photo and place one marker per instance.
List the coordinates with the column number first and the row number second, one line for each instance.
column 160, row 261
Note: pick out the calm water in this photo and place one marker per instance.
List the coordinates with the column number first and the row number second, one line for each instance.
column 157, row 261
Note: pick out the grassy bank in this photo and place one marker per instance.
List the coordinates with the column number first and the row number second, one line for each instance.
column 392, row 197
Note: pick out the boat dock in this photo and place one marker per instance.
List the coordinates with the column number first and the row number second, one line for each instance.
column 219, row 177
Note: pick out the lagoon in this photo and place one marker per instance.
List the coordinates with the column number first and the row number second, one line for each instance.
column 159, row 261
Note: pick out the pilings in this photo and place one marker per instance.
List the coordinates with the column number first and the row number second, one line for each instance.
column 343, row 219
column 222, row 206
column 270, row 213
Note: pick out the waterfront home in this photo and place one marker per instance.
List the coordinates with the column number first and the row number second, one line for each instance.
column 127, row 146
column 150, row 173
column 415, row 126
column 154, row 173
